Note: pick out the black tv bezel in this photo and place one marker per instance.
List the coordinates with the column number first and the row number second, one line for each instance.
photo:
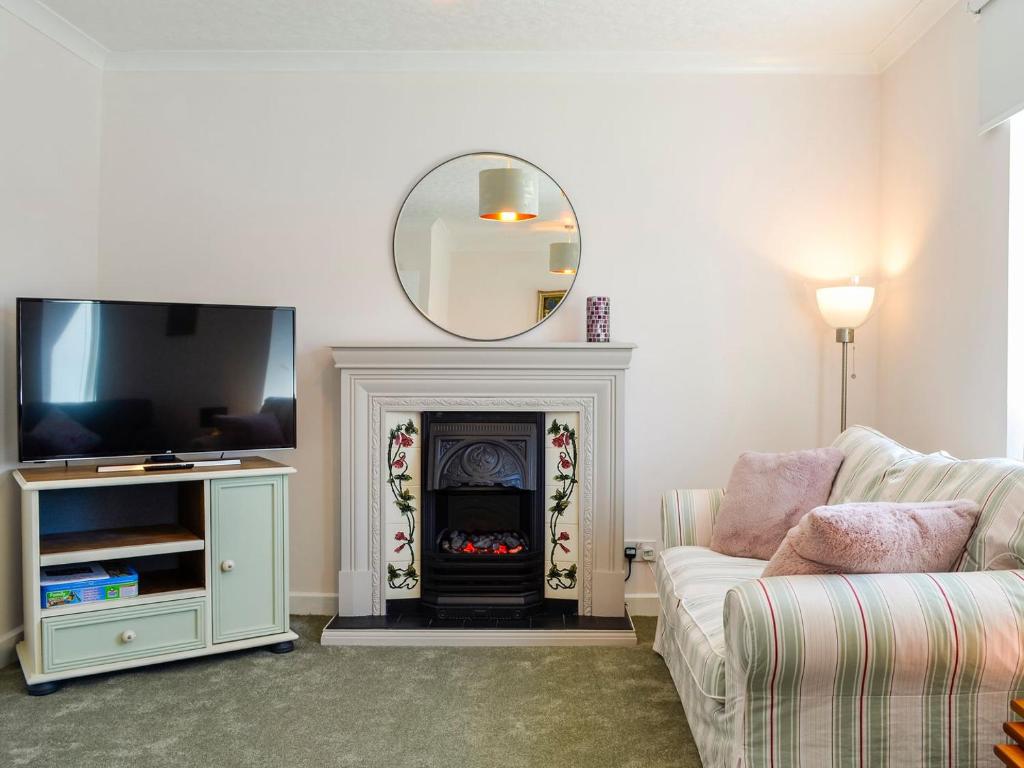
column 21, row 300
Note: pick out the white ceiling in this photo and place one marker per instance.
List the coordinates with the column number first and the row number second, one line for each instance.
column 873, row 31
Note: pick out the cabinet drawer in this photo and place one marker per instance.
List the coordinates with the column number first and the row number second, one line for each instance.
column 120, row 634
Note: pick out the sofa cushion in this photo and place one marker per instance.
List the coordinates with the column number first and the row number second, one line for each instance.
column 692, row 583
column 868, row 456
column 876, row 537
column 767, row 495
column 878, row 468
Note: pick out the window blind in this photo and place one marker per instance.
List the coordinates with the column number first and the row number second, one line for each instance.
column 1000, row 60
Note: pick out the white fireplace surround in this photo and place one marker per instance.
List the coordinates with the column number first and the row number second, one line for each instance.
column 575, row 377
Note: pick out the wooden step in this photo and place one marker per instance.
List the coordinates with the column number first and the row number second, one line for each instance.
column 1017, row 705
column 116, row 543
column 1015, row 731
column 1012, row 756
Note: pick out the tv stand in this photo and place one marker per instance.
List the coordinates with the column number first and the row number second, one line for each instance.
column 210, row 546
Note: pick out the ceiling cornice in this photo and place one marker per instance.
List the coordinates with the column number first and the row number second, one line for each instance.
column 910, row 29
column 58, row 29
column 604, row 62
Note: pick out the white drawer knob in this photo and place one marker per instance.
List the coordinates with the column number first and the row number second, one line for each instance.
column 227, row 565
column 127, row 636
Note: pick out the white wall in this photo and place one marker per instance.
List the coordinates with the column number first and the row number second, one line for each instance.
column 1014, row 292
column 709, row 206
column 945, row 203
column 49, row 174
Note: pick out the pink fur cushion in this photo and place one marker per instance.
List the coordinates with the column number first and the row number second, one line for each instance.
column 877, row 537
column 767, row 495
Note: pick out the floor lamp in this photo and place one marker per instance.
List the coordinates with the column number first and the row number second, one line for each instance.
column 845, row 308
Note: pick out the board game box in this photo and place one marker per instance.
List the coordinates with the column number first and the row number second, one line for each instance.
column 86, row 583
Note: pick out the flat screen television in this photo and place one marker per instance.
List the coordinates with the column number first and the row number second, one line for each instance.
column 101, row 379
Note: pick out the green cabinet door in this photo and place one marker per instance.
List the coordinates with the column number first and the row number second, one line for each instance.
column 249, row 557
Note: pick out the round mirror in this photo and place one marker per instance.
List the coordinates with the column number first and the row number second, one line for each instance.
column 486, row 246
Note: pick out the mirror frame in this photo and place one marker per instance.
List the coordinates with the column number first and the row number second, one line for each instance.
column 394, row 250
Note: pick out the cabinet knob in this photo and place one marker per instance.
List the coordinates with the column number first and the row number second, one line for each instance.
column 227, row 565
column 128, row 635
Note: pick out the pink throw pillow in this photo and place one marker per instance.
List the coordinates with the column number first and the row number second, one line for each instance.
column 877, row 537
column 767, row 495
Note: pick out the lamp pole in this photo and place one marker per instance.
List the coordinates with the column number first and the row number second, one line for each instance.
column 844, row 336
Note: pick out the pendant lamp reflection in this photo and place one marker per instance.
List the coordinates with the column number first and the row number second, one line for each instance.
column 508, row 194
column 563, row 258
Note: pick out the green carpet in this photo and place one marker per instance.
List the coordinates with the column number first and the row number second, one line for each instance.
column 388, row 707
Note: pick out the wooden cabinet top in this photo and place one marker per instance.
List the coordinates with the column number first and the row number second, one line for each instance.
column 49, row 478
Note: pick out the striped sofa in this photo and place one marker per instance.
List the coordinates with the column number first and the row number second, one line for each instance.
column 898, row 670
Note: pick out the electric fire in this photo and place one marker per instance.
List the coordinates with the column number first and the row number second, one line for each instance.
column 490, row 543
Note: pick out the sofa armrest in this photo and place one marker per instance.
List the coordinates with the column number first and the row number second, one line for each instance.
column 688, row 516
column 895, row 656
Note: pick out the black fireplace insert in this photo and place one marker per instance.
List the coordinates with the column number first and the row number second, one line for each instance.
column 482, row 514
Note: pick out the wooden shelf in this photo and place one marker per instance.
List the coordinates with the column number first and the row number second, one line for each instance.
column 1011, row 756
column 84, row 476
column 1015, row 730
column 158, row 582
column 116, row 543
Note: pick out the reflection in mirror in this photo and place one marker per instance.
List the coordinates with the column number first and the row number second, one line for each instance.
column 486, row 246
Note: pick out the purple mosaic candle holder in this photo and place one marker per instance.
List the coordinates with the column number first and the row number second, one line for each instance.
column 599, row 318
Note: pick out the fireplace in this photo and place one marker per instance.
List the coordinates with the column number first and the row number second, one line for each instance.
column 482, row 514
column 385, row 389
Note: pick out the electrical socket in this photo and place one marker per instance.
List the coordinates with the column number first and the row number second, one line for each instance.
column 646, row 549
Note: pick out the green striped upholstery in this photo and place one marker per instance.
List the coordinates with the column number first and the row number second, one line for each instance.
column 876, row 468
column 865, row 671
column 867, row 456
column 687, row 516
column 692, row 582
column 898, row 670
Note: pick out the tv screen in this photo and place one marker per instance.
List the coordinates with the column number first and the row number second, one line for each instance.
column 112, row 378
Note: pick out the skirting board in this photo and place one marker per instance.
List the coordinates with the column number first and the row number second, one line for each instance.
column 8, row 641
column 642, row 603
column 313, row 603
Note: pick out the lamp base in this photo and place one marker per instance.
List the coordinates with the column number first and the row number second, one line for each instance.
column 844, row 335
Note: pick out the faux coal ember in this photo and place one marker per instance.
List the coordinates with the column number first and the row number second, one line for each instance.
column 489, row 543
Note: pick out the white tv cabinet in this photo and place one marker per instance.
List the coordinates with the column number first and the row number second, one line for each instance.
column 211, row 548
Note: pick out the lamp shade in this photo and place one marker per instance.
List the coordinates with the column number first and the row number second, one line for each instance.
column 508, row 194
column 563, row 258
column 846, row 306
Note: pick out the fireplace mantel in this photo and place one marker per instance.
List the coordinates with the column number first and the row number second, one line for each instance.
column 579, row 355
column 563, row 377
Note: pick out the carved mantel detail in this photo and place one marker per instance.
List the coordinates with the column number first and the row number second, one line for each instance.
column 380, row 406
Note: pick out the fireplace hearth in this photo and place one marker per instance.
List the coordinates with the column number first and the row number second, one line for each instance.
column 483, row 515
